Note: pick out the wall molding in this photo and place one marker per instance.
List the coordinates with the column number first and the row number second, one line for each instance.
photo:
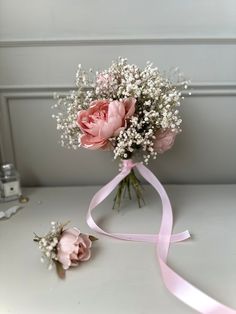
column 7, row 93
column 46, row 91
column 103, row 41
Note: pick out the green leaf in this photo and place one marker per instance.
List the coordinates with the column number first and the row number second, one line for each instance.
column 60, row 270
column 92, row 238
column 63, row 225
column 36, row 238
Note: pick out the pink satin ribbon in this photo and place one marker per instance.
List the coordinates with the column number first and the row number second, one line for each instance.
column 176, row 284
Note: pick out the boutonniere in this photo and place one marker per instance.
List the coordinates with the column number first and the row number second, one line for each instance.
column 64, row 247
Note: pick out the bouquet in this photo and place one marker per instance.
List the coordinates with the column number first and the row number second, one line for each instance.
column 134, row 113
column 130, row 111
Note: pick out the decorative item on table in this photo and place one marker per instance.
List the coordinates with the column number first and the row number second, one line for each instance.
column 64, row 248
column 132, row 112
column 125, row 109
column 9, row 183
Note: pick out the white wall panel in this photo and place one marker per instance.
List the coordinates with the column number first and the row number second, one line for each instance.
column 57, row 65
column 41, row 43
column 204, row 152
column 46, row 19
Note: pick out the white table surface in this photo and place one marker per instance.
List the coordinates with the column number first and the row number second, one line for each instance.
column 121, row 277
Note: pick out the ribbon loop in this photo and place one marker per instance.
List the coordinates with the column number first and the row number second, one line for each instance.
column 177, row 285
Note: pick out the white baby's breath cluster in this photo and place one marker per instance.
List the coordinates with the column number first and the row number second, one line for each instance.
column 157, row 102
column 68, row 106
column 48, row 243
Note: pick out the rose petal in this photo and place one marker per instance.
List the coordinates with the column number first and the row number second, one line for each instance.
column 91, row 142
column 85, row 256
column 164, row 140
column 64, row 259
column 129, row 104
column 116, row 108
column 86, row 239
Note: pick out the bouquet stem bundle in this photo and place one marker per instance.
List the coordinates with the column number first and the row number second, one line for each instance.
column 126, row 186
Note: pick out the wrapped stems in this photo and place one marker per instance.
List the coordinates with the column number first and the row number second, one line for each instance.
column 128, row 185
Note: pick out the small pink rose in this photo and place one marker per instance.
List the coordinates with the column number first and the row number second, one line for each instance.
column 164, row 140
column 104, row 80
column 103, row 120
column 73, row 247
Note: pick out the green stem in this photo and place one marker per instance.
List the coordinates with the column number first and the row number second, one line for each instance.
column 125, row 185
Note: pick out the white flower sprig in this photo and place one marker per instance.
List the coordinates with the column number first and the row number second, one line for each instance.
column 48, row 243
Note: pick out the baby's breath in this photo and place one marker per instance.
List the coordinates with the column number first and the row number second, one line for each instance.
column 157, row 102
column 48, row 243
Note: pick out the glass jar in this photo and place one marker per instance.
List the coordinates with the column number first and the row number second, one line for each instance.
column 9, row 183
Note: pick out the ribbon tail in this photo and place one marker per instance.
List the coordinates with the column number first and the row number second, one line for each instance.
column 177, row 285
column 99, row 198
column 189, row 294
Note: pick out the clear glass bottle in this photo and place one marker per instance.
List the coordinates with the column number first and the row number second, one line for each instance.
column 9, row 183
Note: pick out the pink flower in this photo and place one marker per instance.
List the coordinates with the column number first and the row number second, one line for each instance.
column 103, row 120
column 164, row 140
column 104, row 80
column 73, row 247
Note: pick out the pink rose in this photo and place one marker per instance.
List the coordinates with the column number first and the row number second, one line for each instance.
column 164, row 140
column 73, row 247
column 103, row 120
column 104, row 80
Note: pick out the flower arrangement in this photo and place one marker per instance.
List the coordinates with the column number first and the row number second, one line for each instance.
column 64, row 247
column 130, row 111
